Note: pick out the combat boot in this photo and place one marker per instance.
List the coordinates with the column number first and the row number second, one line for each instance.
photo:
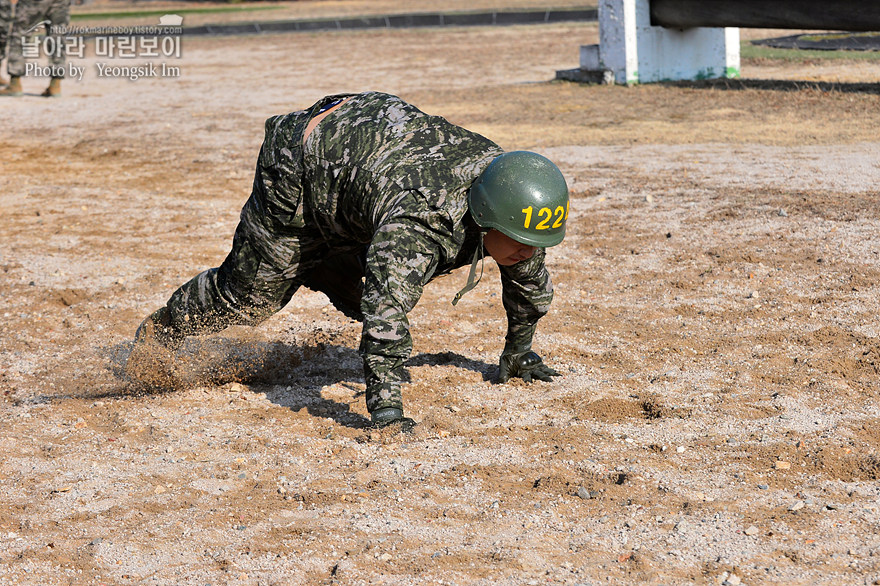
column 14, row 89
column 151, row 362
column 387, row 416
column 156, row 330
column 54, row 89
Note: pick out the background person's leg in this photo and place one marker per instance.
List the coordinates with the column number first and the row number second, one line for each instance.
column 58, row 15
column 5, row 26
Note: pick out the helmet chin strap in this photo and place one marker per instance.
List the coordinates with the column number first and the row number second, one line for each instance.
column 471, row 283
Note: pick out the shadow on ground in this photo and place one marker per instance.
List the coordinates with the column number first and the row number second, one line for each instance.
column 778, row 85
column 290, row 376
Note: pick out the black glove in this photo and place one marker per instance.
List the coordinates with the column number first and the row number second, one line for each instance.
column 526, row 365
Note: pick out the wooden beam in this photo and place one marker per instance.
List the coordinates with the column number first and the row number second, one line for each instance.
column 843, row 15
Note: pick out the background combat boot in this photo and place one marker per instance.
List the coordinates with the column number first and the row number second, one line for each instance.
column 14, row 88
column 54, row 89
column 387, row 416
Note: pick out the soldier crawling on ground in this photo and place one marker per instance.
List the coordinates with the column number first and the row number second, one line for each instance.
column 366, row 198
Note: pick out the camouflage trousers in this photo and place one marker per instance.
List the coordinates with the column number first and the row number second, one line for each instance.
column 275, row 250
column 5, row 25
column 29, row 13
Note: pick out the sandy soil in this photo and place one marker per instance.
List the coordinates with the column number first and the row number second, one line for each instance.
column 715, row 320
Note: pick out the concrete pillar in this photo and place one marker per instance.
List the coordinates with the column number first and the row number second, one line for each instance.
column 636, row 52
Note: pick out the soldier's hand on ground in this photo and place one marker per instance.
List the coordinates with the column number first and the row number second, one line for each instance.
column 525, row 365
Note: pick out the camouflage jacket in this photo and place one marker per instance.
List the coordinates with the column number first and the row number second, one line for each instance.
column 381, row 175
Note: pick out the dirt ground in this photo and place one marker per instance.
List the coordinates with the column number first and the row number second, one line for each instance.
column 715, row 319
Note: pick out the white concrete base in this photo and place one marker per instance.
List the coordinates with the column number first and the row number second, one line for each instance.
column 637, row 52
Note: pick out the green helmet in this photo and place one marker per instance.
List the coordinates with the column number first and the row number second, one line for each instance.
column 524, row 196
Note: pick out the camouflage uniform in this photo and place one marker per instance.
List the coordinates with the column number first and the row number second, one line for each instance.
column 27, row 14
column 380, row 188
column 5, row 24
